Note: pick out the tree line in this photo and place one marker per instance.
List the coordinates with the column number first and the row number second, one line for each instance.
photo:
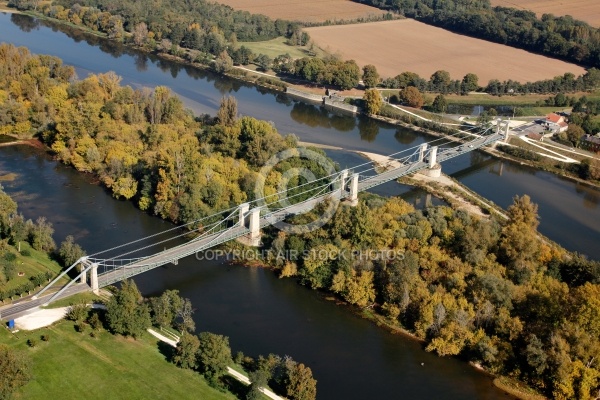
column 128, row 313
column 488, row 291
column 559, row 37
column 441, row 82
column 173, row 20
column 203, row 31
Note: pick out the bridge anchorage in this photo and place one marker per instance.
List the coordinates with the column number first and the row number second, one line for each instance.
column 245, row 221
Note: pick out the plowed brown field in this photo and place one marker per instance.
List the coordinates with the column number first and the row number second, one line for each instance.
column 305, row 11
column 407, row 45
column 584, row 10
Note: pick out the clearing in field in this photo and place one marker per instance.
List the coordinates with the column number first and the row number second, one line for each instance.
column 305, row 11
column 407, row 45
column 584, row 10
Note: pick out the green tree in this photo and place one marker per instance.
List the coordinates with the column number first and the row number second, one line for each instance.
column 440, row 104
column 69, row 251
column 258, row 379
column 15, row 371
column 126, row 312
column 166, row 308
column 370, row 76
column 8, row 208
column 574, row 134
column 214, row 355
column 40, row 235
column 373, row 101
column 264, row 62
column 186, row 353
column 470, row 83
column 440, row 80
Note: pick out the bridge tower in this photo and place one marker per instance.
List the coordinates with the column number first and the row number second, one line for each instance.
column 250, row 219
column 94, row 279
column 353, row 198
column 435, row 169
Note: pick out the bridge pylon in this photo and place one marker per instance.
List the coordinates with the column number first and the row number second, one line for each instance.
column 422, row 150
column 94, row 279
column 353, row 198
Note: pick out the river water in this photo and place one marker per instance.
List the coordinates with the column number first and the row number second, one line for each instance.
column 350, row 357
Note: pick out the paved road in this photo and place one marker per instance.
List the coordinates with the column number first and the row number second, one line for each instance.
column 26, row 305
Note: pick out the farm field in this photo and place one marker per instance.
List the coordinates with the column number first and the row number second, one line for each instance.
column 584, row 10
column 305, row 11
column 407, row 45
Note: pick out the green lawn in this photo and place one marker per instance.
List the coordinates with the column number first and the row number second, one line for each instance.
column 34, row 264
column 277, row 46
column 74, row 365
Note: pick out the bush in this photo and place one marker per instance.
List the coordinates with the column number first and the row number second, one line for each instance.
column 26, row 253
column 45, row 337
column 80, row 327
column 31, row 342
column 520, row 153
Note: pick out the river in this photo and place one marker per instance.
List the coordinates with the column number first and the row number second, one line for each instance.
column 350, row 357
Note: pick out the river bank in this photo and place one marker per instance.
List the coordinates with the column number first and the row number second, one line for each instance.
column 278, row 84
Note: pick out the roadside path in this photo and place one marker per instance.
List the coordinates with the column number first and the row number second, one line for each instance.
column 237, row 375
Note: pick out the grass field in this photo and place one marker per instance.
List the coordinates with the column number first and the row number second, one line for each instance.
column 305, row 11
column 584, row 10
column 407, row 45
column 277, row 46
column 73, row 365
column 37, row 262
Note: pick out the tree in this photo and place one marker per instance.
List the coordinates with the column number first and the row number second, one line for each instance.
column 519, row 243
column 373, row 101
column 440, row 80
column 166, row 308
column 40, row 235
column 140, row 34
column 223, row 62
column 8, row 208
column 187, row 351
column 186, row 322
column 258, row 379
column 574, row 134
column 264, row 62
column 126, row 312
column 69, row 251
column 440, row 104
column 370, row 76
column 15, row 370
column 299, row 381
column 214, row 355
column 470, row 83
column 411, row 97
column 228, row 111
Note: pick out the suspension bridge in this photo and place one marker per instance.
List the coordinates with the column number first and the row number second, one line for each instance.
column 246, row 220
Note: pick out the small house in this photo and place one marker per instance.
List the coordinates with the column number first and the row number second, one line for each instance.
column 556, row 123
column 590, row 143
